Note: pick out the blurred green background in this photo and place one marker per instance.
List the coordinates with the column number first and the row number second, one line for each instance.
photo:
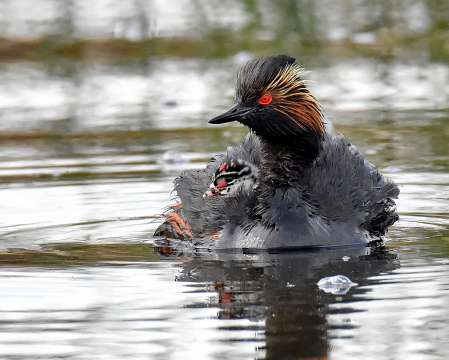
column 116, row 32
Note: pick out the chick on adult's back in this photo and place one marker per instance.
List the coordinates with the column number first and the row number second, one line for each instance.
column 313, row 189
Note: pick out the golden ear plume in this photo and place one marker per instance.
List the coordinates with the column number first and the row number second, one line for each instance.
column 292, row 98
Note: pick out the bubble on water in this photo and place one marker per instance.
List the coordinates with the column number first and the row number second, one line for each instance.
column 336, row 285
column 171, row 157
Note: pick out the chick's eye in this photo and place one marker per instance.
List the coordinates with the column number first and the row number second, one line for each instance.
column 221, row 183
column 265, row 99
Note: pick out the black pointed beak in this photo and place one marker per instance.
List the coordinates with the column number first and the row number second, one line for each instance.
column 236, row 113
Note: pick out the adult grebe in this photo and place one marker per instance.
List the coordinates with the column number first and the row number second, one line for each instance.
column 291, row 185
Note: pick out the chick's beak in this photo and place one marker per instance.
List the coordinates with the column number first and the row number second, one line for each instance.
column 236, row 113
column 211, row 192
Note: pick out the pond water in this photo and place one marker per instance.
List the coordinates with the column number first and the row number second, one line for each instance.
column 90, row 145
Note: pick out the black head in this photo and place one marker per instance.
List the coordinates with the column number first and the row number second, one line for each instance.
column 273, row 100
column 231, row 178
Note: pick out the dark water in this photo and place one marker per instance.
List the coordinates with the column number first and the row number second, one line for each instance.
column 102, row 106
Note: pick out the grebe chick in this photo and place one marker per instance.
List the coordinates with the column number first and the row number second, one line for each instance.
column 233, row 177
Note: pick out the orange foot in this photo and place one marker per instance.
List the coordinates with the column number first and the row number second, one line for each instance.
column 174, row 226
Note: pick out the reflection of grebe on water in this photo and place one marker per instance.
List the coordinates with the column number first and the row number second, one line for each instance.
column 279, row 292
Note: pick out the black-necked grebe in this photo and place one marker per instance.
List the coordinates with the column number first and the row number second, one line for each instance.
column 290, row 185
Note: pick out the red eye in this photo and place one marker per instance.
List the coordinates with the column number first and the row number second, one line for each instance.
column 265, row 99
column 221, row 183
column 222, row 167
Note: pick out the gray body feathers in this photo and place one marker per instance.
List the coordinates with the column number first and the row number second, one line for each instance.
column 338, row 201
